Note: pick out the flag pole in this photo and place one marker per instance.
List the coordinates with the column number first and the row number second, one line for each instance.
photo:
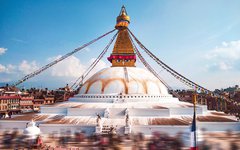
column 194, row 105
column 194, row 128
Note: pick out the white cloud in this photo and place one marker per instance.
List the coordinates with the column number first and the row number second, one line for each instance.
column 67, row 70
column 7, row 69
column 18, row 40
column 224, row 57
column 2, row 50
column 87, row 49
column 100, row 65
column 224, row 66
column 27, row 67
column 2, row 68
column 73, row 67
column 10, row 68
column 70, row 67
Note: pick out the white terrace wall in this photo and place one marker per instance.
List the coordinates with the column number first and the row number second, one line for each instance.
column 12, row 124
column 57, row 128
column 148, row 129
column 219, row 126
column 184, row 111
column 7, row 125
column 117, row 112
column 85, row 111
column 144, row 112
column 54, row 110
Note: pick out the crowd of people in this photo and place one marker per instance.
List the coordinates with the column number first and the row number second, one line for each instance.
column 14, row 139
column 158, row 141
column 64, row 140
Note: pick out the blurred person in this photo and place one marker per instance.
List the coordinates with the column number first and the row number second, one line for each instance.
column 234, row 146
column 14, row 135
column 7, row 139
column 95, row 139
column 116, row 140
column 77, row 136
column 61, row 138
column 67, row 137
column 6, row 115
column 39, row 142
column 52, row 135
column 137, row 141
column 178, row 142
column 104, row 142
column 83, row 136
column 217, row 146
column 140, row 140
column 151, row 144
column 204, row 145
column 10, row 115
column 21, row 141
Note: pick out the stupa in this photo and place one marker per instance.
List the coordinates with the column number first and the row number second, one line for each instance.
column 126, row 99
column 130, row 99
column 31, row 131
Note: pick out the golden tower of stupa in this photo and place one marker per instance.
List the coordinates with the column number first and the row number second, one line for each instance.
column 123, row 53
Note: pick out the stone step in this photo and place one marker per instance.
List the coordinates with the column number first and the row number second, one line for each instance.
column 106, row 129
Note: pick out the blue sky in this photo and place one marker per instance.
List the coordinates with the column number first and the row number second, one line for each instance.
column 199, row 39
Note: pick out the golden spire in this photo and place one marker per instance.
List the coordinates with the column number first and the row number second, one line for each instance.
column 123, row 19
column 123, row 52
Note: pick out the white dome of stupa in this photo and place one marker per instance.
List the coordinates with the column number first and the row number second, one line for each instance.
column 125, row 80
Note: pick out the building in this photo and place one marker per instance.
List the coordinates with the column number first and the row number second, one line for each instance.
column 49, row 99
column 26, row 103
column 128, row 99
column 13, row 100
column 37, row 103
column 9, row 103
column 213, row 103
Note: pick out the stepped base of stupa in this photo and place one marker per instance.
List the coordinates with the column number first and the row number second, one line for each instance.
column 146, row 114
